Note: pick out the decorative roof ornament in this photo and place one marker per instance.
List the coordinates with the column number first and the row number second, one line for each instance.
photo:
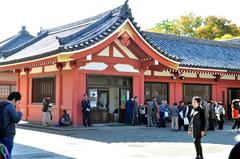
column 125, row 11
column 23, row 30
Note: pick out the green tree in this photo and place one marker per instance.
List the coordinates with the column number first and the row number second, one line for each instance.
column 165, row 26
column 212, row 27
column 185, row 25
column 216, row 27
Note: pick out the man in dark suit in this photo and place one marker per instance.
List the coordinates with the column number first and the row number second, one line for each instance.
column 86, row 111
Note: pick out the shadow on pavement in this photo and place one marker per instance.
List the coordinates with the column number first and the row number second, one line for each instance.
column 123, row 133
column 28, row 152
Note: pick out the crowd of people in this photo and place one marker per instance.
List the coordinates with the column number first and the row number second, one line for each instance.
column 155, row 113
column 196, row 117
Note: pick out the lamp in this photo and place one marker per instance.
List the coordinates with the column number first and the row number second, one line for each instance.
column 181, row 77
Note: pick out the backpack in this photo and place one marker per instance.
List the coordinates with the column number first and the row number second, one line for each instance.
column 3, row 124
column 4, row 152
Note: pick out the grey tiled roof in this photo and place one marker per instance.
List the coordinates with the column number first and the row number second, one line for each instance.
column 199, row 53
column 234, row 41
column 76, row 36
column 11, row 44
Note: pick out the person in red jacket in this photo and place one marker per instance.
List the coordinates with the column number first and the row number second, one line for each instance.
column 235, row 113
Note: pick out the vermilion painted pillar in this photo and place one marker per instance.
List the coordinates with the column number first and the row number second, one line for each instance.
column 219, row 92
column 59, row 89
column 214, row 92
column 24, row 90
column 171, row 93
column 18, row 79
column 75, row 93
column 178, row 92
column 136, row 86
column 17, row 72
column 141, row 86
column 82, row 91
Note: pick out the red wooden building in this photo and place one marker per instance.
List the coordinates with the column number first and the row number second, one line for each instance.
column 110, row 58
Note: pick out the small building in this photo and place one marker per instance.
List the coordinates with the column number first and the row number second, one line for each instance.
column 111, row 59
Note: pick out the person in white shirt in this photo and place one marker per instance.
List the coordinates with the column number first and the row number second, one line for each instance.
column 220, row 113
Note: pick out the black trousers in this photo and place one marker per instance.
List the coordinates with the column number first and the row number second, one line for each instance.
column 198, row 146
column 236, row 123
column 86, row 118
column 221, row 122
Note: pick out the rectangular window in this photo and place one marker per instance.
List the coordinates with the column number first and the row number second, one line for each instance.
column 158, row 90
column 5, row 90
column 191, row 90
column 42, row 87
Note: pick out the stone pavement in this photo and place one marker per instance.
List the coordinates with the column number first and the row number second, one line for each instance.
column 117, row 141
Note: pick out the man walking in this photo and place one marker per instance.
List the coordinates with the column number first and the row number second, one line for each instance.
column 8, row 118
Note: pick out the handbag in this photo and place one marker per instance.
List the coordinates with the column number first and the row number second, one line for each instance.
column 166, row 114
column 186, row 121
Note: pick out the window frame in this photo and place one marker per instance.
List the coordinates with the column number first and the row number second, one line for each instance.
column 53, row 94
column 183, row 90
column 151, row 89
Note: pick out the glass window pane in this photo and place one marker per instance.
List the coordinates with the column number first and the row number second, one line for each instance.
column 191, row 90
column 42, row 87
column 158, row 90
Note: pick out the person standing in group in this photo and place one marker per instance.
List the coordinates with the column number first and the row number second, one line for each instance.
column 142, row 114
column 86, row 111
column 211, row 116
column 206, row 107
column 186, row 112
column 197, row 126
column 235, row 113
column 180, row 115
column 220, row 112
column 162, row 121
column 153, row 104
column 46, row 114
column 175, row 111
column 129, row 105
column 8, row 118
column 135, row 111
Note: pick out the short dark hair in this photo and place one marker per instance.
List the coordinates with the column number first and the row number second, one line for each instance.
column 198, row 99
column 64, row 111
column 14, row 95
column 181, row 102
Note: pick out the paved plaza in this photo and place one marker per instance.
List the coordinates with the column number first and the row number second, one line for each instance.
column 117, row 141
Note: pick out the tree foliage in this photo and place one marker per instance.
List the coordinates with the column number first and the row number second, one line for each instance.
column 211, row 27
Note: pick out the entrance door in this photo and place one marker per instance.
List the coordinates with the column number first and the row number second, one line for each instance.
column 124, row 96
column 233, row 93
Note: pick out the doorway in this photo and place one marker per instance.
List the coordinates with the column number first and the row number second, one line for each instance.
column 233, row 93
column 108, row 94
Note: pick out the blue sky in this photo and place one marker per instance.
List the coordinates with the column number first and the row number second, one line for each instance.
column 50, row 13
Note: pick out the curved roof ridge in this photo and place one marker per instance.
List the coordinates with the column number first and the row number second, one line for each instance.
column 83, row 21
column 26, row 44
column 194, row 40
column 63, row 40
column 9, row 41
